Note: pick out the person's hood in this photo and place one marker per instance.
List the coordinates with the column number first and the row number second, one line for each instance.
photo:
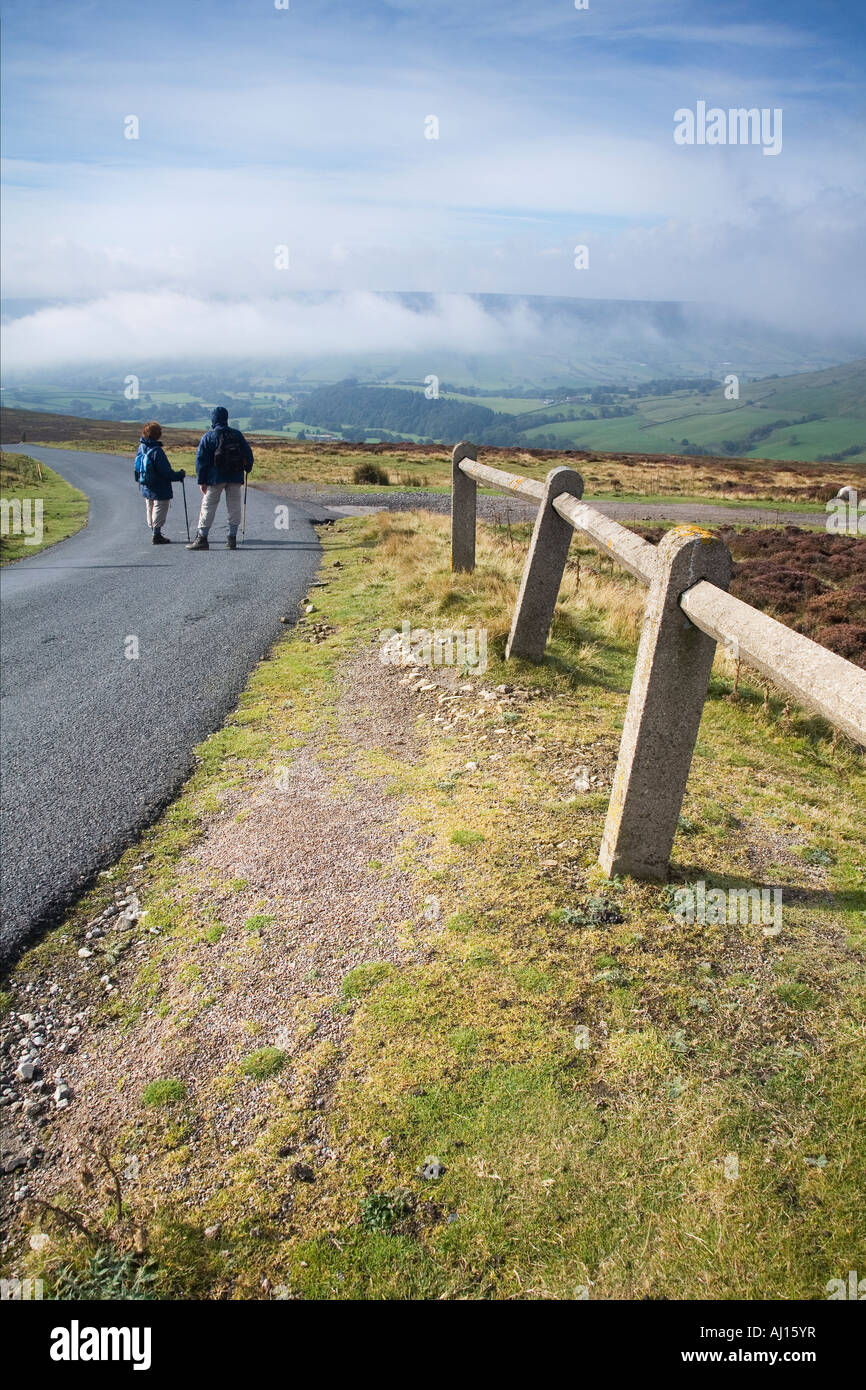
column 219, row 416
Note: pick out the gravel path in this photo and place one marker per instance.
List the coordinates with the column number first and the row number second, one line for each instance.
column 342, row 501
column 94, row 744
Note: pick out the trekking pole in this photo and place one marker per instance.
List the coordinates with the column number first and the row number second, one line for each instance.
column 185, row 512
column 244, row 517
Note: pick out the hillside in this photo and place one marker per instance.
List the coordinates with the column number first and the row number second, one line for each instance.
column 814, row 417
column 810, row 417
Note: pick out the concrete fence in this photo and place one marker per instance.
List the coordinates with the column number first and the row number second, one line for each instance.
column 688, row 612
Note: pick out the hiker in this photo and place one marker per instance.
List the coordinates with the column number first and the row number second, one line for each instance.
column 222, row 459
column 155, row 475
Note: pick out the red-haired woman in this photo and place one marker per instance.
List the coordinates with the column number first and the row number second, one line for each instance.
column 155, row 475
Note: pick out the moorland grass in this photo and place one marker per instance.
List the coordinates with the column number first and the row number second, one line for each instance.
column 64, row 508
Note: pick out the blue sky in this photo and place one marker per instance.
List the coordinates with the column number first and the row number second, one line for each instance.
column 305, row 127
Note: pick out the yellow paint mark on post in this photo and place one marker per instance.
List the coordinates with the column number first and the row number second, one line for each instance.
column 690, row 528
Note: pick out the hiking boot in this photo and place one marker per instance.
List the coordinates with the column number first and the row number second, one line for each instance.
column 200, row 543
column 160, row 539
column 231, row 543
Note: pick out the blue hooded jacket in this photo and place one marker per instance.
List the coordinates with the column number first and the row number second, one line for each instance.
column 206, row 467
column 161, row 490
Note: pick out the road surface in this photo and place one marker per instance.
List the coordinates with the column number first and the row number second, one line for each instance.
column 342, row 501
column 94, row 741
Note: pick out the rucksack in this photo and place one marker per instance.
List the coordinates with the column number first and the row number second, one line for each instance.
column 228, row 454
column 147, row 474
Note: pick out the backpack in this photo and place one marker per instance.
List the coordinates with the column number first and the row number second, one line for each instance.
column 228, row 454
column 147, row 474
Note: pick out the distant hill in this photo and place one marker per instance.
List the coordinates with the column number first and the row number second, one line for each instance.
column 817, row 416
column 812, row 417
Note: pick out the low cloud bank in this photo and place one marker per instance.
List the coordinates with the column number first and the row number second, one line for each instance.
column 132, row 328
column 543, row 337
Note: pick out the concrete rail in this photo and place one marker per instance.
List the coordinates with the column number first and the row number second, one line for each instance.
column 633, row 552
column 817, row 679
column 688, row 612
column 508, row 482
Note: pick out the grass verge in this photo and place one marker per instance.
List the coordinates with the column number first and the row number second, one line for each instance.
column 39, row 507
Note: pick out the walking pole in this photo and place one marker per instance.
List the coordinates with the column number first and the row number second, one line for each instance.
column 244, row 517
column 185, row 512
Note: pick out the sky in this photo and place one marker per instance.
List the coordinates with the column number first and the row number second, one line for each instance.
column 306, row 129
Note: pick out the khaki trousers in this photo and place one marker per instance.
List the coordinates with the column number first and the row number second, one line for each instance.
column 156, row 510
column 210, row 502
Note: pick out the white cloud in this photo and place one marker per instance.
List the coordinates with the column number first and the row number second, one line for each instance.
column 136, row 328
column 315, row 140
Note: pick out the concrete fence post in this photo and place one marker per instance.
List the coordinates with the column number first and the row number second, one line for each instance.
column 463, row 501
column 542, row 573
column 670, row 682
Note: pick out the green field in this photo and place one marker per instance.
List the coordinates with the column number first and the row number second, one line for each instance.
column 798, row 443
column 508, row 405
column 667, row 424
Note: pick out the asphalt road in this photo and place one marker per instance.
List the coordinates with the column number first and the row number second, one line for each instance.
column 342, row 500
column 94, row 743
